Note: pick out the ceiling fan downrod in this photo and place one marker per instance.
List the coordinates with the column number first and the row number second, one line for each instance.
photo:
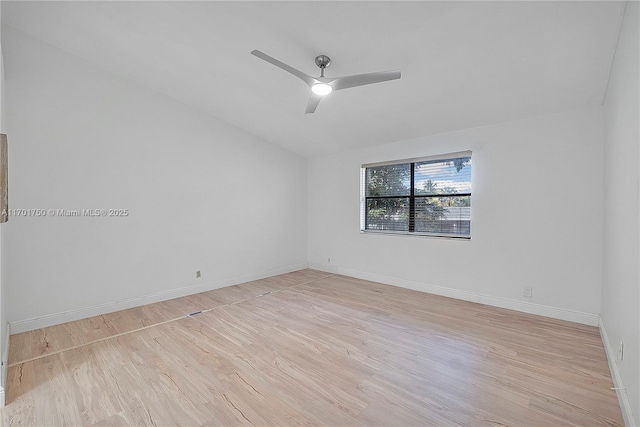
column 322, row 61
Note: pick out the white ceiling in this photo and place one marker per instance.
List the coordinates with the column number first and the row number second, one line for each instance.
column 464, row 64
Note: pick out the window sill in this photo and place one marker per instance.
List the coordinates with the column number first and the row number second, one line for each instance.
column 414, row 234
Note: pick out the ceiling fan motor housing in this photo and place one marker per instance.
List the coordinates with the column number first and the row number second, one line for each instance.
column 323, row 61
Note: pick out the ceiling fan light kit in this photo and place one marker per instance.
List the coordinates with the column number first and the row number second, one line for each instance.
column 321, row 86
column 321, row 89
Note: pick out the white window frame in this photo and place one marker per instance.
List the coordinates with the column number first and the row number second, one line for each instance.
column 363, row 197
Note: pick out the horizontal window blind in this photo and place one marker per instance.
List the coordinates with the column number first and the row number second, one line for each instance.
column 456, row 155
column 428, row 195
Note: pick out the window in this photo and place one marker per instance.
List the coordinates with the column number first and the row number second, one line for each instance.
column 426, row 196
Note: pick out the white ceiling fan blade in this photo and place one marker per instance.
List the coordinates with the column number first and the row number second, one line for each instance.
column 314, row 100
column 364, row 79
column 304, row 77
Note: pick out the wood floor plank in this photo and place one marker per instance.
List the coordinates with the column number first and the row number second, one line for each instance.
column 309, row 348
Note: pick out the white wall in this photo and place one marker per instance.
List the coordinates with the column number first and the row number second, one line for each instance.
column 536, row 218
column 202, row 194
column 4, row 330
column 621, row 276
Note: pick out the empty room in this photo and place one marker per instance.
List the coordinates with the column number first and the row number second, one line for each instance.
column 321, row 213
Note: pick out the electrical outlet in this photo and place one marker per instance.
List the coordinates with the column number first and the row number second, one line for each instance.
column 621, row 350
column 198, row 275
column 528, row 292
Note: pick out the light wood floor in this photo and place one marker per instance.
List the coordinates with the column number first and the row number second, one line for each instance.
column 315, row 349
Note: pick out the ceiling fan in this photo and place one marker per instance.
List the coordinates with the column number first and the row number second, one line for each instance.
column 321, row 86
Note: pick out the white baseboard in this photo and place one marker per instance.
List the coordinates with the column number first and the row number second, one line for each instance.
column 96, row 310
column 324, row 267
column 621, row 391
column 525, row 307
column 5, row 363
